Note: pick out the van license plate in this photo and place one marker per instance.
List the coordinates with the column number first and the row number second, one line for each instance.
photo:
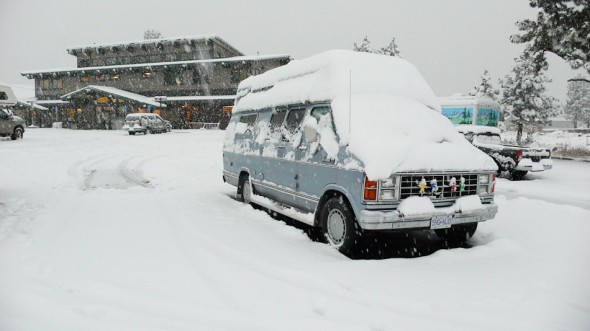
column 441, row 222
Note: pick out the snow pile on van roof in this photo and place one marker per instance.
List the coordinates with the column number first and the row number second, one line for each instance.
column 332, row 74
column 398, row 134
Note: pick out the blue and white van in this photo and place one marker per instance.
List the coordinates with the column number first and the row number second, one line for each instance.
column 354, row 142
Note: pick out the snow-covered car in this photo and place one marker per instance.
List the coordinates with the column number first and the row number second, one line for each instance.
column 350, row 143
column 144, row 123
column 11, row 125
column 517, row 160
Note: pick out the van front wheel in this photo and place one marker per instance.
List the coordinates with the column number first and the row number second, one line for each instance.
column 244, row 189
column 339, row 226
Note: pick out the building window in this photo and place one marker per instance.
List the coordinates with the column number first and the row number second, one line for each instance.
column 200, row 76
column 85, row 78
column 235, row 75
column 100, row 77
column 60, row 84
column 46, row 83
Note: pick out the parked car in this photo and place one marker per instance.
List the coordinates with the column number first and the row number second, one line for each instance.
column 10, row 125
column 144, row 123
column 350, row 143
column 516, row 160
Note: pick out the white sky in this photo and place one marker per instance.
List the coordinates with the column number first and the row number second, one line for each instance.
column 451, row 42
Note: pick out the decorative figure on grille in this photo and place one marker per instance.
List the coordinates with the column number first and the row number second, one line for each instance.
column 422, row 185
column 462, row 184
column 453, row 184
column 433, row 186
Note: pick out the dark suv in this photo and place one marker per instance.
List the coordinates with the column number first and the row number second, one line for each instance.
column 11, row 125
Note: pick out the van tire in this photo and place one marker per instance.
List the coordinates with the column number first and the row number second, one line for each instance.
column 456, row 235
column 339, row 225
column 132, row 133
column 17, row 134
column 244, row 193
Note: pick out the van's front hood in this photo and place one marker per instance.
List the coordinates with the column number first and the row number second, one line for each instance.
column 392, row 134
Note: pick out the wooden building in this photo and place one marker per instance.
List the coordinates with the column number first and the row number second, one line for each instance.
column 187, row 80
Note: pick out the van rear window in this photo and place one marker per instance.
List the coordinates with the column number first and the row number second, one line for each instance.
column 3, row 96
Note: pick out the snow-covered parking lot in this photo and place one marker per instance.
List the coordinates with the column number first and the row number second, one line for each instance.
column 104, row 231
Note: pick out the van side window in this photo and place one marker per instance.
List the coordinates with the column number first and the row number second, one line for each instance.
column 3, row 96
column 295, row 118
column 248, row 119
column 277, row 118
column 319, row 112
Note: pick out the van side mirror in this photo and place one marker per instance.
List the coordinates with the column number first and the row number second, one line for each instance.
column 310, row 134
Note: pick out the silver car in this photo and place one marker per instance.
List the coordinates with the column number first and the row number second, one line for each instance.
column 144, row 123
column 10, row 125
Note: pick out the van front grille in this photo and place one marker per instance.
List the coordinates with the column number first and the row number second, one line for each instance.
column 410, row 185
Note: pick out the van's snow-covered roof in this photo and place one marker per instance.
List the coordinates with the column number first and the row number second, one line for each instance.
column 391, row 121
column 333, row 74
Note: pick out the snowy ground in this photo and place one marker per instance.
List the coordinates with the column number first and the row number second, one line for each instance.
column 104, row 231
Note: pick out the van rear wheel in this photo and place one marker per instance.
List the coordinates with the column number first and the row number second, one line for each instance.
column 339, row 225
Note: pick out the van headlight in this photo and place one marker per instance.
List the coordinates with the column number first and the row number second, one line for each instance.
column 484, row 187
column 381, row 190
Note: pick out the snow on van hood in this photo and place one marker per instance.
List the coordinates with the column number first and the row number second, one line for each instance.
column 332, row 74
column 397, row 134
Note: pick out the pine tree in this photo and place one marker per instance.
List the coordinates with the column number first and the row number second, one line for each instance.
column 152, row 34
column 391, row 49
column 365, row 46
column 577, row 108
column 524, row 94
column 562, row 27
column 485, row 88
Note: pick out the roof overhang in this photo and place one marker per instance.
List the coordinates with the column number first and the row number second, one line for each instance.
column 112, row 91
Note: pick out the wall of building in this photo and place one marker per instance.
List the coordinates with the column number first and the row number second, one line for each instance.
column 177, row 80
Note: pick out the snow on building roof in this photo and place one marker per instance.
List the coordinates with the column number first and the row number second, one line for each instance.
column 26, row 103
column 118, row 92
column 200, row 98
column 332, row 74
column 52, row 102
column 156, row 41
column 458, row 99
column 156, row 64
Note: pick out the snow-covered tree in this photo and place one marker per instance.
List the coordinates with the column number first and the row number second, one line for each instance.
column 577, row 108
column 364, row 46
column 562, row 27
column 523, row 94
column 152, row 34
column 485, row 87
column 391, row 49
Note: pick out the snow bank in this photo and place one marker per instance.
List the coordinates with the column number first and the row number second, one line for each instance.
column 468, row 204
column 333, row 74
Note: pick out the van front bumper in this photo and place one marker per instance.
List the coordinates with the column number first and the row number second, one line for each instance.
column 392, row 220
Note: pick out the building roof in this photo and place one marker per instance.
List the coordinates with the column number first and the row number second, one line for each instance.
column 155, row 64
column 51, row 102
column 215, row 38
column 200, row 98
column 31, row 104
column 118, row 92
